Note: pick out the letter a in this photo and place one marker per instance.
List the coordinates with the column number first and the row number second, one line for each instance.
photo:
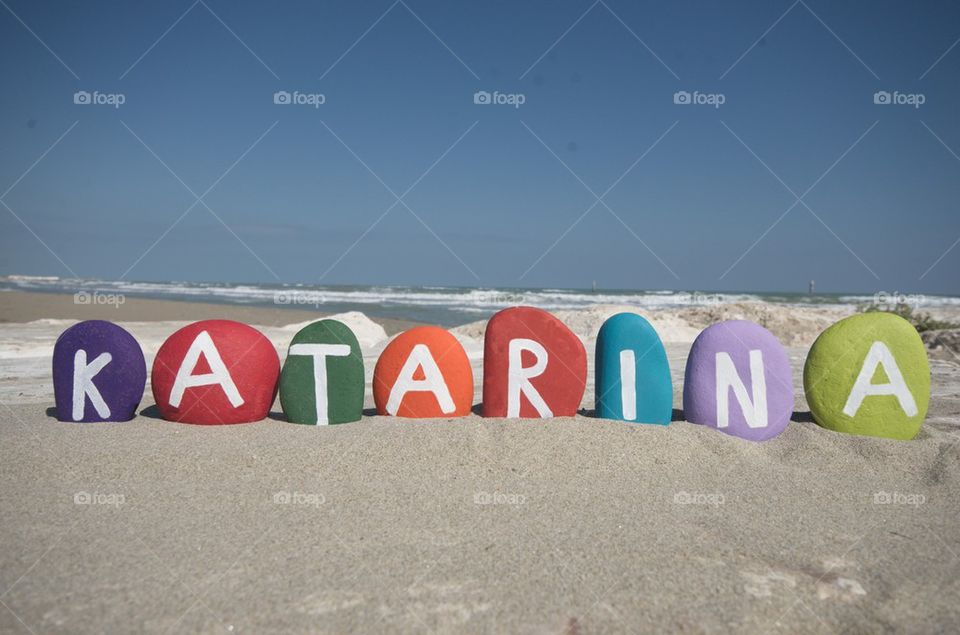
column 880, row 355
column 432, row 381
column 518, row 377
column 754, row 412
column 203, row 344
column 83, row 385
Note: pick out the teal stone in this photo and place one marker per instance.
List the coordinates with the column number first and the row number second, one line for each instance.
column 632, row 372
column 331, row 392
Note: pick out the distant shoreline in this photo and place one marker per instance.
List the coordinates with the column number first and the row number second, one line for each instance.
column 445, row 306
column 28, row 306
column 58, row 284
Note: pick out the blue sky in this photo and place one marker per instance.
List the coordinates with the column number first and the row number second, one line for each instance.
column 702, row 197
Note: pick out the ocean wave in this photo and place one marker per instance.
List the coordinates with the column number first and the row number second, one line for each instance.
column 466, row 301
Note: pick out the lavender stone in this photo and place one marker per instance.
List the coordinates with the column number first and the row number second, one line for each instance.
column 99, row 373
column 738, row 380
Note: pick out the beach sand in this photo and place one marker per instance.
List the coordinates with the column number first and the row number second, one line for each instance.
column 572, row 525
column 27, row 306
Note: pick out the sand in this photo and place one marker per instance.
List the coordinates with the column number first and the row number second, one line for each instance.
column 572, row 525
column 27, row 306
column 793, row 326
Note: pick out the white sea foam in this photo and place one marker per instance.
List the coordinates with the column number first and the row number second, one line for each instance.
column 444, row 304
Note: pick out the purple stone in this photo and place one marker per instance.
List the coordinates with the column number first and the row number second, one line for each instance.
column 721, row 368
column 99, row 373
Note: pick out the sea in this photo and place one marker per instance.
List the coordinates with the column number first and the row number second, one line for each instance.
column 445, row 306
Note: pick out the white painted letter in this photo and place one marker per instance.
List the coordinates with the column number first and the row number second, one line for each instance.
column 319, row 353
column 83, row 386
column 218, row 374
column 518, row 377
column 754, row 412
column 628, row 384
column 432, row 381
column 862, row 388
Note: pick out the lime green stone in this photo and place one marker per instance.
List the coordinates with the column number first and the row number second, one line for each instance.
column 868, row 374
column 344, row 376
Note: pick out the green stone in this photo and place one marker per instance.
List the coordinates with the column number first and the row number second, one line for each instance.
column 868, row 374
column 342, row 371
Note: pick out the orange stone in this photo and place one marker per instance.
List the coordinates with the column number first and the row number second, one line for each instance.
column 423, row 373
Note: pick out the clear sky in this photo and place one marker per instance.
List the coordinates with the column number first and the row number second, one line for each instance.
column 798, row 174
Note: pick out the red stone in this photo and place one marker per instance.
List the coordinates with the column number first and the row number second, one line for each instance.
column 247, row 368
column 562, row 380
column 452, row 369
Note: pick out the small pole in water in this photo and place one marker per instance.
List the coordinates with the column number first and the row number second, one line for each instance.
column 813, row 286
column 594, row 286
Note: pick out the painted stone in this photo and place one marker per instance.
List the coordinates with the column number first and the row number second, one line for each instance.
column 868, row 374
column 423, row 373
column 322, row 379
column 632, row 373
column 99, row 373
column 215, row 372
column 738, row 380
column 533, row 366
